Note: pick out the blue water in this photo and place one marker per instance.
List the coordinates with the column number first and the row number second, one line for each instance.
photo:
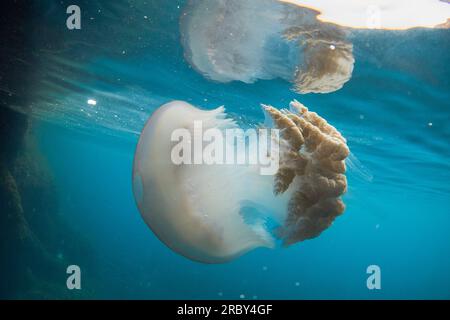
column 394, row 112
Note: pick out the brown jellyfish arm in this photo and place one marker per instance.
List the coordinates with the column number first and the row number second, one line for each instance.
column 313, row 167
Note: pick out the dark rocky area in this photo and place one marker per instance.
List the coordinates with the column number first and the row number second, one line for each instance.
column 36, row 244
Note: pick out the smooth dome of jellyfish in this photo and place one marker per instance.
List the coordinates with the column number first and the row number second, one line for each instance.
column 247, row 40
column 214, row 212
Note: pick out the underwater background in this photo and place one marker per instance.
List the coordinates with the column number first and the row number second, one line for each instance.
column 65, row 166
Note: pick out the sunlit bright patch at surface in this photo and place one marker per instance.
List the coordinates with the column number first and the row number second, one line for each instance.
column 92, row 102
column 380, row 14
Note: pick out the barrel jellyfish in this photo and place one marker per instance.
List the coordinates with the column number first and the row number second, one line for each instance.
column 215, row 212
column 247, row 40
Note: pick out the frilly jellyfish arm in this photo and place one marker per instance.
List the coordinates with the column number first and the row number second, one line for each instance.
column 316, row 158
column 201, row 211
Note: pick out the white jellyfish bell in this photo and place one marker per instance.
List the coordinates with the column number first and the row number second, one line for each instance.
column 213, row 211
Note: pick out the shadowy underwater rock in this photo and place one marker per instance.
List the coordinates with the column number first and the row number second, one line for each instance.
column 36, row 245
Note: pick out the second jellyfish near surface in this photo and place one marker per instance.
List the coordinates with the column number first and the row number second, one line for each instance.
column 212, row 207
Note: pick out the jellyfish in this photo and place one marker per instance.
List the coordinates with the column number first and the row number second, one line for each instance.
column 214, row 212
column 248, row 40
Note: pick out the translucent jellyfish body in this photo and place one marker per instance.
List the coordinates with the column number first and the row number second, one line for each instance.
column 214, row 212
column 247, row 40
